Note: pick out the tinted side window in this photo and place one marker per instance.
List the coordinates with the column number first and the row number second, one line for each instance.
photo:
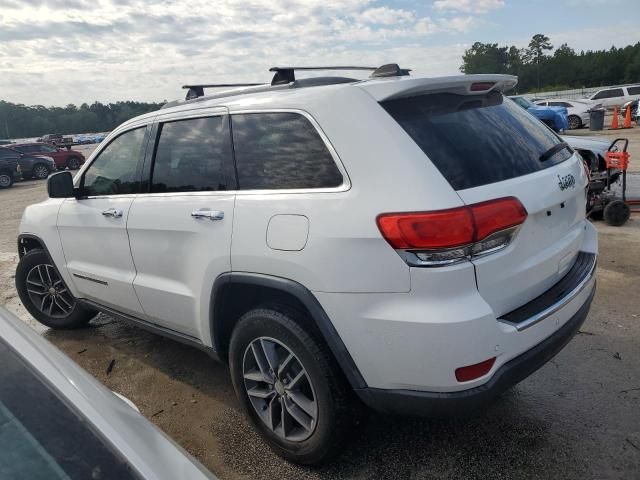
column 599, row 95
column 634, row 90
column 114, row 171
column 44, row 148
column 191, row 155
column 281, row 151
column 615, row 92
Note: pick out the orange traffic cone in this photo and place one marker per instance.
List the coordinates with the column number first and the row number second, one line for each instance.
column 627, row 118
column 614, row 120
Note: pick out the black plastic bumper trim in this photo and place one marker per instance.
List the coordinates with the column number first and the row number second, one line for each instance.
column 463, row 403
column 559, row 295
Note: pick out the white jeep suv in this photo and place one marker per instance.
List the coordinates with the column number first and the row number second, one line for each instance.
column 417, row 245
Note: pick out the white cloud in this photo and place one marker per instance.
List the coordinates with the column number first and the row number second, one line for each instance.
column 145, row 49
column 386, row 16
column 461, row 24
column 469, row 6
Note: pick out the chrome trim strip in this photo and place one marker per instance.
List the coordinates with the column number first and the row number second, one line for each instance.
column 94, row 280
column 189, row 114
column 547, row 312
column 413, row 260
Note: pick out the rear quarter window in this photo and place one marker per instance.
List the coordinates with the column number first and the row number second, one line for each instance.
column 281, row 150
column 634, row 90
column 476, row 140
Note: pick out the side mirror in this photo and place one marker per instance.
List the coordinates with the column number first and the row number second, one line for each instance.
column 60, row 185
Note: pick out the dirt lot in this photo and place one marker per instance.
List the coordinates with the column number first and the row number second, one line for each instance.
column 577, row 417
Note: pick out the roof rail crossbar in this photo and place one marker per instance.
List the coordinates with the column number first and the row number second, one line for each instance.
column 196, row 91
column 286, row 75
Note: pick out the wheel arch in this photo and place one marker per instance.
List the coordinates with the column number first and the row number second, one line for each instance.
column 235, row 293
column 28, row 242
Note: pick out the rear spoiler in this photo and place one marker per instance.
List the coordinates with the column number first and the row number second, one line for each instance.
column 401, row 87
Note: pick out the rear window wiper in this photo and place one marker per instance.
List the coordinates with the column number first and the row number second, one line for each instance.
column 553, row 150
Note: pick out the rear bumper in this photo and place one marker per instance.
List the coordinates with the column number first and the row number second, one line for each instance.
column 436, row 404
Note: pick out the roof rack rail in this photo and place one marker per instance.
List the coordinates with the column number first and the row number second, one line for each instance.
column 196, row 91
column 287, row 74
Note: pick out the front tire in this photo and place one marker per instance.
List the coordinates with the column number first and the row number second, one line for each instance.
column 289, row 386
column 45, row 295
column 40, row 171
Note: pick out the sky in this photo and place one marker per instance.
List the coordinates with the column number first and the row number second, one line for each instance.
column 55, row 52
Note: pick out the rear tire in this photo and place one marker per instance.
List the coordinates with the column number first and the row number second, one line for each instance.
column 308, row 435
column 45, row 295
column 616, row 213
column 574, row 122
column 73, row 163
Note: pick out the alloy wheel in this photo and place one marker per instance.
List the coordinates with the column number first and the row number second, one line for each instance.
column 574, row 122
column 48, row 292
column 5, row 180
column 41, row 172
column 73, row 164
column 280, row 389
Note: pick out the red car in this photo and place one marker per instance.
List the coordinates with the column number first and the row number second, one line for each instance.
column 64, row 158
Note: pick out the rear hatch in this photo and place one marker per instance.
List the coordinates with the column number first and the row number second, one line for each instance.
column 488, row 148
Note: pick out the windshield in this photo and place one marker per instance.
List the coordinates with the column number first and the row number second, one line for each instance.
column 41, row 437
column 523, row 102
column 477, row 139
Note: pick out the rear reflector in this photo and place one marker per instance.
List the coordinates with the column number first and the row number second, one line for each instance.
column 450, row 228
column 471, row 372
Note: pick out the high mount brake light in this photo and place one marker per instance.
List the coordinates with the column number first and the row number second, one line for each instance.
column 444, row 237
column 481, row 86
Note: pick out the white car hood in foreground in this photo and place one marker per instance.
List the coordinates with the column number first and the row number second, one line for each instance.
column 147, row 449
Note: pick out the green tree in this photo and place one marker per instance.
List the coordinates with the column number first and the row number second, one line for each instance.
column 21, row 121
column 535, row 54
column 485, row 58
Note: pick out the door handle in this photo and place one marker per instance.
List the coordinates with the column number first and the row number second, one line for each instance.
column 112, row 212
column 206, row 213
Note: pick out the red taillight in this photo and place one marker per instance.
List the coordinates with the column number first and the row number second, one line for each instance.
column 471, row 372
column 440, row 229
column 450, row 228
column 496, row 215
column 481, row 86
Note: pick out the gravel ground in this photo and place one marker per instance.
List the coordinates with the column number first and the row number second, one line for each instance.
column 578, row 417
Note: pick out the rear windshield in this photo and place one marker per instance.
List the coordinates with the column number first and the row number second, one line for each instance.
column 476, row 140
